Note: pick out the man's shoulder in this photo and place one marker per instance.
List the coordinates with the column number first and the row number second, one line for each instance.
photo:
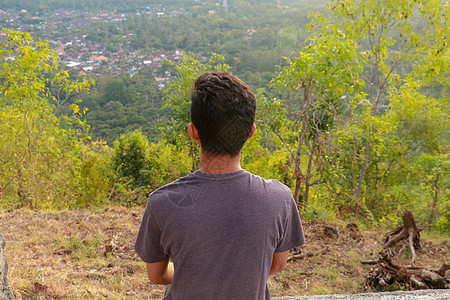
column 273, row 191
column 174, row 189
column 272, row 184
column 175, row 183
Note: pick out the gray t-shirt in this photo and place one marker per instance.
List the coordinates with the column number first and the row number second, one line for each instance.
column 220, row 231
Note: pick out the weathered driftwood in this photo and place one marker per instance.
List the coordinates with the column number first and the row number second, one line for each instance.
column 387, row 272
column 408, row 232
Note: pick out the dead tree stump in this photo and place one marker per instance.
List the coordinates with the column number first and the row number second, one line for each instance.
column 409, row 232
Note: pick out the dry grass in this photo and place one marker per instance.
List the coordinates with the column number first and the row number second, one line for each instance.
column 75, row 255
column 89, row 254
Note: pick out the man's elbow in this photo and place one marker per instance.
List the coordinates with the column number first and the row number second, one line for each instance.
column 279, row 262
column 280, row 268
column 160, row 273
column 277, row 268
column 155, row 279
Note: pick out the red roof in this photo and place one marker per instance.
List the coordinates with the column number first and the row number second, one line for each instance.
column 100, row 57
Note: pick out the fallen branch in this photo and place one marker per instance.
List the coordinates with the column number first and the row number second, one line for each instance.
column 387, row 272
column 309, row 254
column 369, row 262
column 443, row 269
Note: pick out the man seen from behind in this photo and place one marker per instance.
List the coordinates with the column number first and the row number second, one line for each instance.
column 219, row 232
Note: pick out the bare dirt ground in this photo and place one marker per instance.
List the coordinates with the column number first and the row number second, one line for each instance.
column 89, row 255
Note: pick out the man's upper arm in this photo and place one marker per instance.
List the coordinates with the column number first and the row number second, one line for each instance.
column 148, row 240
column 160, row 272
column 292, row 235
column 279, row 262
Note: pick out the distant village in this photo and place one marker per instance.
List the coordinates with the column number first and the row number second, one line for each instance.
column 66, row 33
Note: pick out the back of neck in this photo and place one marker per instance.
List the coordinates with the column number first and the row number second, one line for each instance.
column 219, row 164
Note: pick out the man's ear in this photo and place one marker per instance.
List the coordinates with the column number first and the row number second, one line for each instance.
column 194, row 132
column 252, row 131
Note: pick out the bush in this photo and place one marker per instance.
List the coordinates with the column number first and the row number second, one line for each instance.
column 95, row 174
column 130, row 158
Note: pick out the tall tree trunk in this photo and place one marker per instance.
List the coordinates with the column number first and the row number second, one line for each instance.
column 22, row 192
column 308, row 173
column 367, row 154
column 361, row 178
column 298, row 155
column 435, row 199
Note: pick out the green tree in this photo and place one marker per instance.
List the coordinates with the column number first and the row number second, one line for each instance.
column 115, row 90
column 96, row 176
column 130, row 158
column 326, row 71
column 168, row 163
column 433, row 172
column 421, row 131
column 111, row 115
column 399, row 40
column 38, row 159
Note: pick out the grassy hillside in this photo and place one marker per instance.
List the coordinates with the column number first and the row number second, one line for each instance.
column 89, row 254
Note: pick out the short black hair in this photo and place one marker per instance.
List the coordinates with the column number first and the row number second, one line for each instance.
column 223, row 111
